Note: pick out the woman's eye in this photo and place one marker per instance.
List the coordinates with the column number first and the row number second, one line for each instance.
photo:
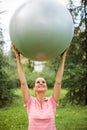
column 38, row 82
column 43, row 81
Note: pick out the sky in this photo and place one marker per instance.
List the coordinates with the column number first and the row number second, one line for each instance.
column 10, row 6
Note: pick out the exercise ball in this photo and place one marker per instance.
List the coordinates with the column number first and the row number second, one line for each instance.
column 41, row 29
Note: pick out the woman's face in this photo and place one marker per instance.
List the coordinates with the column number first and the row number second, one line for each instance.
column 40, row 85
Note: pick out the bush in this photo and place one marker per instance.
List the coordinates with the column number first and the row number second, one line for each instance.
column 6, row 84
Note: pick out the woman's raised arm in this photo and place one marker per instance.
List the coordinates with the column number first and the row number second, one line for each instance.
column 24, row 85
column 59, row 76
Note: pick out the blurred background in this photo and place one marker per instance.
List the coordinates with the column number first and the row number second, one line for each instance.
column 71, row 115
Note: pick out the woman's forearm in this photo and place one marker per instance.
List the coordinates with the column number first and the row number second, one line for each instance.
column 20, row 71
column 24, row 86
column 60, row 72
column 58, row 80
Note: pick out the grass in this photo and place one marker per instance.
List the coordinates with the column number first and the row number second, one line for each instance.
column 69, row 117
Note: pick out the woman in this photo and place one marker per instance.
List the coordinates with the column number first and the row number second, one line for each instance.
column 41, row 110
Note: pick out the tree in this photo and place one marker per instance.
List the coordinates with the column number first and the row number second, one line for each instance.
column 5, row 82
column 5, row 92
column 76, row 62
column 76, row 70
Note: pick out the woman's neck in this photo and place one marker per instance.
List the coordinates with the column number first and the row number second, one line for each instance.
column 40, row 97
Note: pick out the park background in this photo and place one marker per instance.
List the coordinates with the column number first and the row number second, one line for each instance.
column 72, row 111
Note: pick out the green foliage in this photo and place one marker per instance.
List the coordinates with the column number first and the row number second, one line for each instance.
column 75, row 73
column 6, row 82
column 76, row 69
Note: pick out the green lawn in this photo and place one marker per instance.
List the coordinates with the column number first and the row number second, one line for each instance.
column 69, row 117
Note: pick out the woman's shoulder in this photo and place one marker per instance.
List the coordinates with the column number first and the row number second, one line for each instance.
column 31, row 99
column 51, row 99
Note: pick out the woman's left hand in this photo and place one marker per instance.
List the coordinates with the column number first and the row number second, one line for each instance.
column 64, row 53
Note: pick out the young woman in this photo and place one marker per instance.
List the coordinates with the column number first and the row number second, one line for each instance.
column 41, row 110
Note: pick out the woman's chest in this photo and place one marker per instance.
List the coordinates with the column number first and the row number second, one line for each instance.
column 38, row 111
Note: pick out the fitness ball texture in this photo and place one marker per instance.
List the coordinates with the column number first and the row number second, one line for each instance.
column 41, row 29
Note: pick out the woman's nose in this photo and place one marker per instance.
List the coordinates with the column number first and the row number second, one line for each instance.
column 41, row 82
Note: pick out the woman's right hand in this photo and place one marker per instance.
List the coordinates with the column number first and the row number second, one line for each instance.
column 16, row 52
